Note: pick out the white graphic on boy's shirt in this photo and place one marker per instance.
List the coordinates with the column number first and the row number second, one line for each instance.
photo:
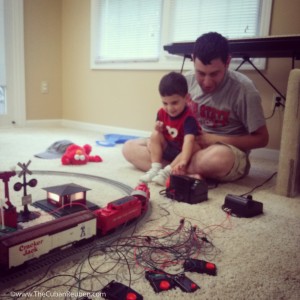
column 173, row 132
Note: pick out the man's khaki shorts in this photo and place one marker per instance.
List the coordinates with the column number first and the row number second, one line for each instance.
column 240, row 167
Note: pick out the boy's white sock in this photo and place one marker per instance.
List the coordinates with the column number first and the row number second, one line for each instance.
column 168, row 169
column 162, row 175
column 155, row 167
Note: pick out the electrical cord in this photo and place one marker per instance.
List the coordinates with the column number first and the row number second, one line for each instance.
column 277, row 104
column 260, row 185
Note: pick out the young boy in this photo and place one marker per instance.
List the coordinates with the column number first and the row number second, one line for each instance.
column 173, row 139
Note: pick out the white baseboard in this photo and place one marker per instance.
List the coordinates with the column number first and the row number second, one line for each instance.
column 43, row 123
column 104, row 129
column 265, row 153
column 262, row 153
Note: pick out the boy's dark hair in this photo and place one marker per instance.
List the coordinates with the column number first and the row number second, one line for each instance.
column 173, row 83
column 210, row 46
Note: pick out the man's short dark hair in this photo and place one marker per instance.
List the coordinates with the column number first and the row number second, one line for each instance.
column 173, row 83
column 209, row 46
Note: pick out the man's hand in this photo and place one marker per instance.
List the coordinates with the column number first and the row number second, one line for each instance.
column 206, row 139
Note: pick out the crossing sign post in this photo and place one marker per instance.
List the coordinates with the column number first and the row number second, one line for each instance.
column 26, row 215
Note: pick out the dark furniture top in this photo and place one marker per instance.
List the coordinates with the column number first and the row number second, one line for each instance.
column 273, row 46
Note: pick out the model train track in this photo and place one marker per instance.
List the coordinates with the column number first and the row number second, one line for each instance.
column 125, row 188
column 39, row 266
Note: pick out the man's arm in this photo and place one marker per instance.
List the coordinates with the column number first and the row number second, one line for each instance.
column 256, row 139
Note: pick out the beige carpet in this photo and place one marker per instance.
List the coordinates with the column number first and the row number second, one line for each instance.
column 256, row 258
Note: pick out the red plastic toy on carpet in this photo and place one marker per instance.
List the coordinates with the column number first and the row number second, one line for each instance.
column 77, row 155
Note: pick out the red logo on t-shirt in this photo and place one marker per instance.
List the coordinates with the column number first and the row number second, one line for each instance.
column 213, row 117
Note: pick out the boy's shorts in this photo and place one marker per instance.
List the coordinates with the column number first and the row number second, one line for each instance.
column 170, row 152
column 240, row 167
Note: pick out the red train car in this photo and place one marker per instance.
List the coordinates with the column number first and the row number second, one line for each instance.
column 123, row 210
column 142, row 193
column 117, row 213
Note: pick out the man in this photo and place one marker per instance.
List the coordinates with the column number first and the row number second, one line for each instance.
column 228, row 107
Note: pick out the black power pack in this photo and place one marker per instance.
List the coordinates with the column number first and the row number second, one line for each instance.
column 242, row 206
column 118, row 291
column 187, row 189
column 163, row 282
column 185, row 283
column 200, row 266
column 160, row 282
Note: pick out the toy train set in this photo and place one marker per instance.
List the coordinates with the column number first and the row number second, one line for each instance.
column 20, row 246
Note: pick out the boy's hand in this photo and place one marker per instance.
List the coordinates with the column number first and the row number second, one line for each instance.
column 159, row 126
column 180, row 168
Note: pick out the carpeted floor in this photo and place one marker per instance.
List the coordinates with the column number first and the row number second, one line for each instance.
column 256, row 258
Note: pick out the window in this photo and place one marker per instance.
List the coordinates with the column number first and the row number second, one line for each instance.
column 2, row 100
column 12, row 69
column 2, row 62
column 130, row 34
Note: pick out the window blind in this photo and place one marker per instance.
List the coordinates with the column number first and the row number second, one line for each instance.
column 231, row 18
column 129, row 30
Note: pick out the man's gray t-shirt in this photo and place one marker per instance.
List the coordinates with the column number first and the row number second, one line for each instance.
column 233, row 109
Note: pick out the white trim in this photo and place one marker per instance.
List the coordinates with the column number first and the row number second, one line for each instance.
column 16, row 62
column 104, row 128
column 266, row 12
column 44, row 123
column 266, row 154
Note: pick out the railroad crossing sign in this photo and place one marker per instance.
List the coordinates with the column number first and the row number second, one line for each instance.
column 24, row 169
column 26, row 215
column 31, row 183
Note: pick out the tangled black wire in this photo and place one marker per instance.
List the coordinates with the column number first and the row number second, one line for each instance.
column 162, row 250
column 124, row 259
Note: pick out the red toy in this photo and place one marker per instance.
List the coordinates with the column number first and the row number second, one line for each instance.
column 117, row 213
column 77, row 155
column 123, row 210
column 10, row 215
